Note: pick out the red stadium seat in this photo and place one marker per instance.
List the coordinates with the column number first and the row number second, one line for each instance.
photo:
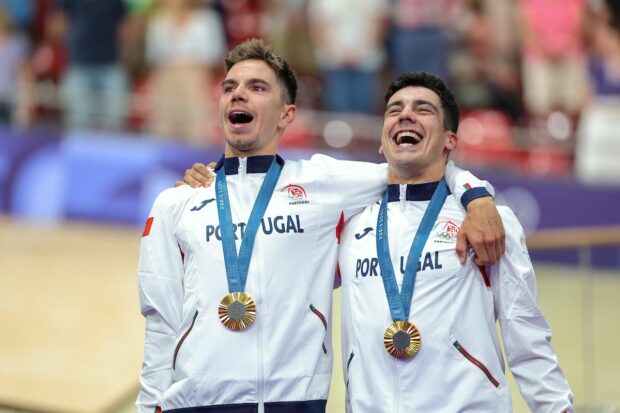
column 485, row 139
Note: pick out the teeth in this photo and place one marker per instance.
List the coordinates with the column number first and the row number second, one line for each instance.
column 408, row 138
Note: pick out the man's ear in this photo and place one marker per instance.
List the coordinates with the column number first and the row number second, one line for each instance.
column 380, row 149
column 288, row 116
column 451, row 141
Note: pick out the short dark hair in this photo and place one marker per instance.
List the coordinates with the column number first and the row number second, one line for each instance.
column 437, row 85
column 257, row 49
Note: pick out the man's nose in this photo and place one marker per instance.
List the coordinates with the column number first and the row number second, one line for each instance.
column 239, row 94
column 407, row 114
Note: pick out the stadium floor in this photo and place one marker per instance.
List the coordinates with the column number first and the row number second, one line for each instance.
column 72, row 339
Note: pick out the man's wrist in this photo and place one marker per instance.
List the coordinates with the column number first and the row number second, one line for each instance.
column 473, row 194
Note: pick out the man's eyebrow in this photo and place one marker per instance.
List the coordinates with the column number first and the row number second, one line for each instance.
column 251, row 81
column 258, row 80
column 226, row 82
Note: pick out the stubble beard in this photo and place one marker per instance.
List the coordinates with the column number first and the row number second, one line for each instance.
column 241, row 145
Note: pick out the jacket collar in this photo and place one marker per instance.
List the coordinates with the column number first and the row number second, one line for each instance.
column 254, row 164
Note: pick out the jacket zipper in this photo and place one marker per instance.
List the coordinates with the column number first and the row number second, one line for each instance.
column 242, row 168
column 476, row 363
column 183, row 337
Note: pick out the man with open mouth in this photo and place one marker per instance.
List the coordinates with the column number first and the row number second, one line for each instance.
column 419, row 326
column 236, row 278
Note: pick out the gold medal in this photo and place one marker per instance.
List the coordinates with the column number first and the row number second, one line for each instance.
column 237, row 311
column 402, row 339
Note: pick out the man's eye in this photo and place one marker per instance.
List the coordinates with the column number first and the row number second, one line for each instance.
column 227, row 89
column 258, row 88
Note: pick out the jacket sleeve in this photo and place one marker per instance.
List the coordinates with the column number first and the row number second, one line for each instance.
column 356, row 184
column 465, row 187
column 361, row 183
column 160, row 278
column 525, row 332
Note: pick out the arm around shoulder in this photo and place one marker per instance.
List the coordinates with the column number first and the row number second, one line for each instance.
column 461, row 182
column 357, row 184
column 482, row 227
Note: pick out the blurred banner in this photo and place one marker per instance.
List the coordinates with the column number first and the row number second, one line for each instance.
column 88, row 175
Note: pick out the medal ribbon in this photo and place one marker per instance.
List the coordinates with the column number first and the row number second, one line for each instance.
column 400, row 302
column 237, row 266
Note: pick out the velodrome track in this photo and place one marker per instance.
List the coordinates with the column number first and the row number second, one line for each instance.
column 72, row 332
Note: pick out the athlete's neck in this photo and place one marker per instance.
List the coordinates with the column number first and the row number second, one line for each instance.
column 396, row 176
column 230, row 152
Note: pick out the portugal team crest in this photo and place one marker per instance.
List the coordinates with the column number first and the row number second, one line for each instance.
column 445, row 232
column 297, row 194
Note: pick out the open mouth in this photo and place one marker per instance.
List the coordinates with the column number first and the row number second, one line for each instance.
column 238, row 117
column 407, row 138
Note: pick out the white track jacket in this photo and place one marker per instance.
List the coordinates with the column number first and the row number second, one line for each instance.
column 283, row 362
column 459, row 367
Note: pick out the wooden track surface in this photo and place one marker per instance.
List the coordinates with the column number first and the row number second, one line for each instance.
column 72, row 332
column 71, row 327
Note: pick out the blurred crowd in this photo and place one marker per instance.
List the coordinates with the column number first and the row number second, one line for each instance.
column 154, row 65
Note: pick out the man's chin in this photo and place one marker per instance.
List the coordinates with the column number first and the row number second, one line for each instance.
column 407, row 163
column 241, row 145
column 405, row 157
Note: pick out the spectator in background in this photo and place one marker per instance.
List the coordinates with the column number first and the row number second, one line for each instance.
column 183, row 46
column 349, row 44
column 95, row 87
column 553, row 56
column 41, row 13
column 47, row 64
column 604, row 62
column 598, row 146
column 484, row 74
column 419, row 38
column 133, row 35
column 242, row 19
column 285, row 26
column 14, row 51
